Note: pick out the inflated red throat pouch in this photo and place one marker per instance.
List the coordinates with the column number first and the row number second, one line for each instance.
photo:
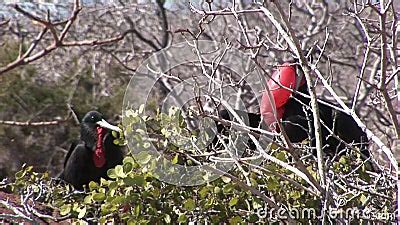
column 285, row 76
column 99, row 155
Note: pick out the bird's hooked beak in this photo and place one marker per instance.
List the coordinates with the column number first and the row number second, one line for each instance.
column 105, row 124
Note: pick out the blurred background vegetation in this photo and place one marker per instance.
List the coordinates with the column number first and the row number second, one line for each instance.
column 27, row 95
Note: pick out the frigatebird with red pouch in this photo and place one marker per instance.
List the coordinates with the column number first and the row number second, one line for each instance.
column 95, row 153
column 294, row 110
column 288, row 91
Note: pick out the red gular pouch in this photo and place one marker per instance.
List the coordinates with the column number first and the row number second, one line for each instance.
column 285, row 76
column 99, row 155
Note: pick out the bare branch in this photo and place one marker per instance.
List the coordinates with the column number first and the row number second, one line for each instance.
column 33, row 124
column 5, row 22
column 294, row 44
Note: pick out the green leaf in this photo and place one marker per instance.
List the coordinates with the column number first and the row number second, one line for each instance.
column 228, row 188
column 104, row 182
column 93, row 185
column 82, row 212
column 113, row 185
column 272, row 184
column 88, row 199
column 167, row 218
column 233, row 201
column 175, row 159
column 143, row 158
column 128, row 159
column 182, row 218
column 135, row 181
column 363, row 199
column 119, row 171
column 20, row 174
column 342, row 160
column 295, row 195
column 156, row 193
column 129, row 113
column 65, row 209
column 189, row 204
column 257, row 204
column 203, row 192
column 273, row 146
column 111, row 174
column 118, row 200
column 102, row 220
column 127, row 167
column 29, row 168
column 137, row 210
column 253, row 182
column 35, row 188
column 114, row 133
column 281, row 156
column 99, row 197
column 235, row 220
column 226, row 179
column 253, row 218
column 75, row 206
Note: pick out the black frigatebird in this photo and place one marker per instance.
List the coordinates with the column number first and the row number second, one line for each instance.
column 94, row 154
column 293, row 110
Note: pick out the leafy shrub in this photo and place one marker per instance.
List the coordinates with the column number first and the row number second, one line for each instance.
column 134, row 195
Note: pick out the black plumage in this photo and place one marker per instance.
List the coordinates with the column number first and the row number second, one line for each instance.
column 90, row 158
column 297, row 121
column 250, row 119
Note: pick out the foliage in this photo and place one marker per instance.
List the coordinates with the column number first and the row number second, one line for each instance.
column 134, row 195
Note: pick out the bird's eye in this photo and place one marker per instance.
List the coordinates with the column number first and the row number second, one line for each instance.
column 92, row 117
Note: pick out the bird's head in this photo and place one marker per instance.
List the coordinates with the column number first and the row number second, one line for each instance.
column 96, row 119
column 287, row 78
column 94, row 127
column 93, row 131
